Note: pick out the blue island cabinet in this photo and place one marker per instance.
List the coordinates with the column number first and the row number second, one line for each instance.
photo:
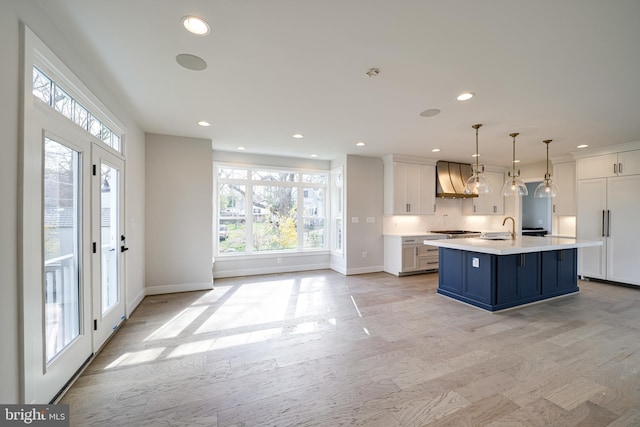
column 496, row 282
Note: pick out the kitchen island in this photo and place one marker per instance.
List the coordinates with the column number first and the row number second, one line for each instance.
column 496, row 273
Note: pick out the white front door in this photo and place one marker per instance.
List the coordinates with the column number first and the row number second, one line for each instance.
column 109, row 244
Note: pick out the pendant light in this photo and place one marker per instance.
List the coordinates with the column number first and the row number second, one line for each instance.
column 514, row 186
column 546, row 188
column 477, row 183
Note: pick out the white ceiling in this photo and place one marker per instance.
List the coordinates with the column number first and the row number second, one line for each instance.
column 563, row 70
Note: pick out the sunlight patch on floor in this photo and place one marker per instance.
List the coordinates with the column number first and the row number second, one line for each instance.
column 136, row 357
column 177, row 324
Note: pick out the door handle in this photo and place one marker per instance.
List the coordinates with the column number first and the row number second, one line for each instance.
column 123, row 243
column 608, row 223
column 603, row 214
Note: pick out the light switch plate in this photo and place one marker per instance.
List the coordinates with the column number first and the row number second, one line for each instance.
column 355, row 219
column 371, row 219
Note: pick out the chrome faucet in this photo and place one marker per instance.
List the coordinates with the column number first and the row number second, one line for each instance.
column 513, row 226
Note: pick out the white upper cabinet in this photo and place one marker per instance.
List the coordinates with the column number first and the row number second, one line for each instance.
column 608, row 165
column 489, row 203
column 409, row 188
column 564, row 176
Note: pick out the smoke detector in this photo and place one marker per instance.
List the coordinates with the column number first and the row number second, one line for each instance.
column 372, row 72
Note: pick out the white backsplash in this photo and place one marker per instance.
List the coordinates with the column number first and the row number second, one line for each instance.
column 448, row 217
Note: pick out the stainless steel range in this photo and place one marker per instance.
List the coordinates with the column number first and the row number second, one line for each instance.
column 457, row 234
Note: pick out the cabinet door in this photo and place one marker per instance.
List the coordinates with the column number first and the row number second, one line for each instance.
column 623, row 206
column 629, row 163
column 558, row 271
column 450, row 271
column 428, row 189
column 409, row 258
column 400, row 188
column 564, row 176
column 592, row 206
column 518, row 277
column 414, row 189
column 480, row 272
column 597, row 166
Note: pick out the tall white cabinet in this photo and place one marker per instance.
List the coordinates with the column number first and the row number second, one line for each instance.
column 409, row 186
column 607, row 210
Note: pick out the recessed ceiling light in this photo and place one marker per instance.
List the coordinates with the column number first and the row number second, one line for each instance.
column 435, row 150
column 475, row 155
column 241, row 148
column 191, row 62
column 465, row 96
column 516, row 161
column 314, row 155
column 203, row 123
column 298, row 135
column 361, row 144
column 196, row 25
column 430, row 112
column 582, row 146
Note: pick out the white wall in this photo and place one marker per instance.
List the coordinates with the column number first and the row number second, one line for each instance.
column 12, row 12
column 179, row 233
column 365, row 191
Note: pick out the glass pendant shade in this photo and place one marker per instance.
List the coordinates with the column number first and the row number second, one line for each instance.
column 514, row 186
column 546, row 188
column 477, row 183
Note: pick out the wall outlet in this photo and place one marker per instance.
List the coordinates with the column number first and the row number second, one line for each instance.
column 364, row 254
column 355, row 219
column 371, row 219
column 475, row 262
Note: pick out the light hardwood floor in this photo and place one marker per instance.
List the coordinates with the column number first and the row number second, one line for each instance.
column 321, row 349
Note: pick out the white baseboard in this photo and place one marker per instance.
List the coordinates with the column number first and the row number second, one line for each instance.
column 268, row 270
column 365, row 270
column 133, row 304
column 339, row 268
column 182, row 287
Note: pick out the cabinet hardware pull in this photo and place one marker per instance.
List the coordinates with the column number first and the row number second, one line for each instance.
column 554, row 208
column 523, row 261
column 561, row 255
column 608, row 223
column 474, row 208
column 615, row 168
column 603, row 223
column 434, row 208
column 619, row 167
column 416, row 251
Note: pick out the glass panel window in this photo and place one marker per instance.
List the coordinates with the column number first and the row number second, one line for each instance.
column 314, row 178
column 63, row 103
column 50, row 93
column 41, row 86
column 261, row 175
column 105, row 134
column 61, row 246
column 337, row 212
column 95, row 126
column 313, row 218
column 80, row 116
column 109, row 233
column 275, row 227
column 115, row 142
column 232, row 224
column 232, row 173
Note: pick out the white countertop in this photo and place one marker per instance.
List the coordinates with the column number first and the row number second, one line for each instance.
column 521, row 244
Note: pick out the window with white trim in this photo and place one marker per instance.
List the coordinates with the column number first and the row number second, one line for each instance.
column 49, row 92
column 266, row 210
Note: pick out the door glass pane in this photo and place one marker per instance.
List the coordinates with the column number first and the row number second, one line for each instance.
column 109, row 233
column 61, row 246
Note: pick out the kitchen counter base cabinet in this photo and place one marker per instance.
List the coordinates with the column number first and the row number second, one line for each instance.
column 497, row 282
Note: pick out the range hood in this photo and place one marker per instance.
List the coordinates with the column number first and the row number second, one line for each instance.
column 451, row 179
